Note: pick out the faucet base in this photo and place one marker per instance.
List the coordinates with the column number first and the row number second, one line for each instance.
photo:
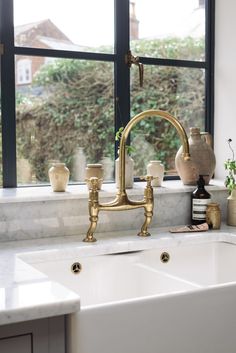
column 89, row 239
column 144, row 234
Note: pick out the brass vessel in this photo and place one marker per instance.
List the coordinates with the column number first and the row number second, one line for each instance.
column 213, row 215
column 121, row 201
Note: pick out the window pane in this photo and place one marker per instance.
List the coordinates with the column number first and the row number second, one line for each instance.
column 65, row 114
column 0, row 143
column 0, row 129
column 179, row 91
column 168, row 29
column 67, row 25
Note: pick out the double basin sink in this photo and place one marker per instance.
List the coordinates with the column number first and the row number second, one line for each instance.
column 178, row 299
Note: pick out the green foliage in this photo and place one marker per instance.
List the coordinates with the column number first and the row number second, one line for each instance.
column 230, row 166
column 118, row 135
column 77, row 107
column 172, row 48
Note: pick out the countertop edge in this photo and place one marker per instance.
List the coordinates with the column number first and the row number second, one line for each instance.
column 40, row 311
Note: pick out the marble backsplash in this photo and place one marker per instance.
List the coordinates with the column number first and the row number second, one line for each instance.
column 31, row 213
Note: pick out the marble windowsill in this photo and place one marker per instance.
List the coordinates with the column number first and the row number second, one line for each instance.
column 38, row 212
column 45, row 193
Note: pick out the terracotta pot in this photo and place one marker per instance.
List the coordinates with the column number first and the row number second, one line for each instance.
column 202, row 158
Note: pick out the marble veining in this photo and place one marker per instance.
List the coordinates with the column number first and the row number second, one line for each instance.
column 31, row 213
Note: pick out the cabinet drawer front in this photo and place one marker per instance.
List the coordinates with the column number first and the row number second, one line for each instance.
column 17, row 344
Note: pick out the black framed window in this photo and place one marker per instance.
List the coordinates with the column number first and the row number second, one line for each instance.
column 66, row 87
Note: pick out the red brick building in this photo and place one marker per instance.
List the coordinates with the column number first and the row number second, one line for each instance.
column 43, row 34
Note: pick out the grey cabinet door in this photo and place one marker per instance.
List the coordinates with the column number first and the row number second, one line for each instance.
column 18, row 344
column 38, row 336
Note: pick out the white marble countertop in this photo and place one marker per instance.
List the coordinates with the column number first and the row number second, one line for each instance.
column 26, row 294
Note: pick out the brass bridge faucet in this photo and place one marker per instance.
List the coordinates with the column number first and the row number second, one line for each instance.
column 121, row 201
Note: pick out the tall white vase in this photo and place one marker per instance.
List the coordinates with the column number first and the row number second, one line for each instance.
column 129, row 172
column 231, row 209
column 79, row 164
column 156, row 169
column 108, row 166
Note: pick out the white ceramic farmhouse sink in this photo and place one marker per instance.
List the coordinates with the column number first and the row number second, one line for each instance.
column 135, row 303
column 200, row 264
column 110, row 278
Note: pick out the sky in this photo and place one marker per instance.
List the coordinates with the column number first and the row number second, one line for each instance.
column 90, row 22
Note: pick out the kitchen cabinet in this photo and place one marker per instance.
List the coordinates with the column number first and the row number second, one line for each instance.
column 37, row 336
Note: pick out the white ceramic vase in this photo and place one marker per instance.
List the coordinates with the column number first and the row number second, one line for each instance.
column 231, row 209
column 129, row 171
column 59, row 176
column 156, row 169
column 79, row 165
column 108, row 166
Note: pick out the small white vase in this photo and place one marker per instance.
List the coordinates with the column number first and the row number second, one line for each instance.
column 59, row 176
column 129, row 172
column 156, row 169
column 231, row 209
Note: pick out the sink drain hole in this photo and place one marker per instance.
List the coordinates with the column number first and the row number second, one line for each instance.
column 76, row 268
column 165, row 257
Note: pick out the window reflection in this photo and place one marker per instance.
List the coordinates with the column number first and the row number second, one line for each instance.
column 163, row 22
column 72, row 25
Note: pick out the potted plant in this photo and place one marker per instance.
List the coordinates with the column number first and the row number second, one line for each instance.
column 230, row 165
column 230, row 183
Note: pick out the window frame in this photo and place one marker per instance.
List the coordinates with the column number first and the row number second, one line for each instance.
column 121, row 74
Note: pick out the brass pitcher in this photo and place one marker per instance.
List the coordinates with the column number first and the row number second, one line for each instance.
column 202, row 158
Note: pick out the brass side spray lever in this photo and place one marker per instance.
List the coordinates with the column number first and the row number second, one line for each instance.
column 130, row 59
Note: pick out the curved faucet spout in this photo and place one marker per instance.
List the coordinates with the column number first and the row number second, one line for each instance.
column 148, row 113
column 121, row 201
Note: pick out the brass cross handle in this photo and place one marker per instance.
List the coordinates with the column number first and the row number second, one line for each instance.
column 93, row 183
column 130, row 59
column 148, row 179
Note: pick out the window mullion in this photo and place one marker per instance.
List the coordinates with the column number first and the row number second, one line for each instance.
column 122, row 74
column 8, row 96
column 210, row 48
